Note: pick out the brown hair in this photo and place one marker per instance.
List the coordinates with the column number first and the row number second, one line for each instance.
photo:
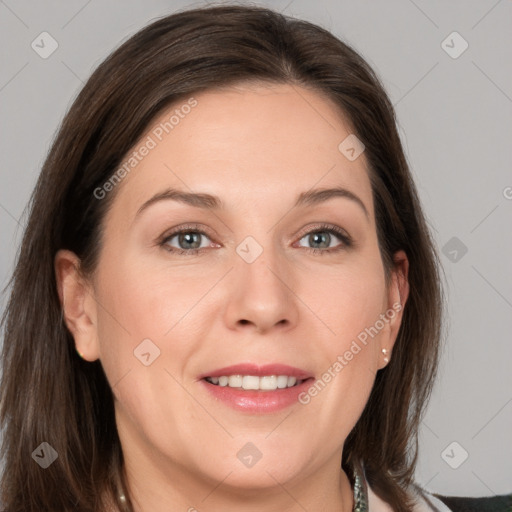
column 49, row 394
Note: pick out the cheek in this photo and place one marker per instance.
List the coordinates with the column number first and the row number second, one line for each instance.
column 348, row 350
column 348, row 301
column 141, row 317
column 143, row 300
column 144, row 352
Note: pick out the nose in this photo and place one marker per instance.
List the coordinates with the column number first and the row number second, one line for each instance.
column 262, row 296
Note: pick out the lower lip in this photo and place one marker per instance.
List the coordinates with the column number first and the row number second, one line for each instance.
column 255, row 401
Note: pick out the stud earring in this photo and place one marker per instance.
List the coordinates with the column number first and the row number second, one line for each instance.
column 386, row 358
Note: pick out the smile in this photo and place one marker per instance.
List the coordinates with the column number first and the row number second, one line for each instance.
column 254, row 382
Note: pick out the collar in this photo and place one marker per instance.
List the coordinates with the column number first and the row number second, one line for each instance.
column 365, row 500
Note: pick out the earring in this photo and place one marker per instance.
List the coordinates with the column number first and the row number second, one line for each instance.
column 386, row 358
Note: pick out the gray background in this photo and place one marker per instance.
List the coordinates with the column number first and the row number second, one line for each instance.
column 455, row 122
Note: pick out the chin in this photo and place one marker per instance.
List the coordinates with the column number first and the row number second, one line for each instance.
column 252, row 481
column 256, row 469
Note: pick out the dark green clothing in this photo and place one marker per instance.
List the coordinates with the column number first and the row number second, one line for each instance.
column 488, row 504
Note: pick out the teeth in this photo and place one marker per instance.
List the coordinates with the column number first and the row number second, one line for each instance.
column 265, row 383
column 250, row 382
column 269, row 382
column 282, row 381
column 235, row 381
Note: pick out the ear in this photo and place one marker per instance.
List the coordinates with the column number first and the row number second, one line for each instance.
column 398, row 293
column 78, row 304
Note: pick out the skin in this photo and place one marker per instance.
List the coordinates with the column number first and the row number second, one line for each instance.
column 257, row 147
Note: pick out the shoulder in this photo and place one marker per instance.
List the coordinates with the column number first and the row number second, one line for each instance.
column 427, row 501
column 502, row 503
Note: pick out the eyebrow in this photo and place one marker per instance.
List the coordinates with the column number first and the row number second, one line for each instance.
column 210, row 202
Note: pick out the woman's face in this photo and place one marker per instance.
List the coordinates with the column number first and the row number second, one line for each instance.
column 255, row 297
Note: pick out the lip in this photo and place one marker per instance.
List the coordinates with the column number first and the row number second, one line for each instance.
column 256, row 401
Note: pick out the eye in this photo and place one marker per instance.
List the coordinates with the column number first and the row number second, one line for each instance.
column 186, row 240
column 189, row 240
column 323, row 236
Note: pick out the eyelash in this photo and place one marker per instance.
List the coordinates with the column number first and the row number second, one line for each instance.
column 324, row 228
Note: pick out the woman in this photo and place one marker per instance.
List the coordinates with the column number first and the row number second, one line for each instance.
column 251, row 370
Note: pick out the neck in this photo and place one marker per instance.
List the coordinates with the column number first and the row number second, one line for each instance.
column 155, row 484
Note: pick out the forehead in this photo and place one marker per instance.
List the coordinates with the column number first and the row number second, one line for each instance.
column 263, row 143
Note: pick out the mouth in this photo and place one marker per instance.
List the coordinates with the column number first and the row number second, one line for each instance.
column 257, row 389
column 254, row 382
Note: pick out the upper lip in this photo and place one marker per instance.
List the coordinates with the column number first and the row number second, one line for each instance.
column 259, row 371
